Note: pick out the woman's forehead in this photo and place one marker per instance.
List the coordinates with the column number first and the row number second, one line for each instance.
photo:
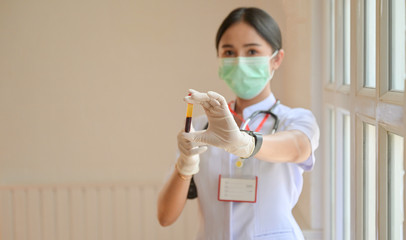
column 242, row 34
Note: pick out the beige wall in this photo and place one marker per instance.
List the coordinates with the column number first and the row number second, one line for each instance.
column 91, row 91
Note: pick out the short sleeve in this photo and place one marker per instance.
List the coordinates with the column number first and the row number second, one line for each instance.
column 303, row 120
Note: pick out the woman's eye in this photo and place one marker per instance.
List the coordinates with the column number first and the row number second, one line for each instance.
column 228, row 53
column 252, row 52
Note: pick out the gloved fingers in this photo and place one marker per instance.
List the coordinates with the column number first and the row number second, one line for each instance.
column 197, row 137
column 201, row 99
column 196, row 97
column 219, row 98
column 214, row 103
column 184, row 143
column 184, row 150
column 204, row 99
column 188, row 151
column 206, row 105
column 198, row 150
column 191, row 91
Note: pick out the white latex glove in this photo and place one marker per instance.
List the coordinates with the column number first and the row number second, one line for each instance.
column 222, row 132
column 188, row 161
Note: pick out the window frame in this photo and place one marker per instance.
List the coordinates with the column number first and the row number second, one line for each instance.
column 379, row 106
column 384, row 55
column 361, row 52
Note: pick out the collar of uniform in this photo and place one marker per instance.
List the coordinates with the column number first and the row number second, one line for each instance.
column 265, row 104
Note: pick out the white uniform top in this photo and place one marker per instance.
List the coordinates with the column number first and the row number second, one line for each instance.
column 279, row 184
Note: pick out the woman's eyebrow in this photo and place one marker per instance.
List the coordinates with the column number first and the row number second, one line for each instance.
column 252, row 44
column 227, row 46
column 245, row 45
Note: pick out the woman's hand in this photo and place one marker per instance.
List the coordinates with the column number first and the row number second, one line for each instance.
column 188, row 161
column 222, row 132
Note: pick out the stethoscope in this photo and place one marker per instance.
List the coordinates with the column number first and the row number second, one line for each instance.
column 270, row 112
column 240, row 162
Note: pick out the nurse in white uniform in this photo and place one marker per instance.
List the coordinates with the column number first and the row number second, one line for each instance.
column 247, row 156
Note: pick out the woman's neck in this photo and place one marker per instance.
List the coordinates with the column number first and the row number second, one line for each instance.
column 241, row 104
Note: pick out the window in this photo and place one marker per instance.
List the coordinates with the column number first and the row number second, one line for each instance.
column 369, row 182
column 364, row 126
column 370, row 43
column 340, row 42
column 339, row 136
column 346, row 42
column 332, row 182
column 395, row 186
column 346, row 177
column 397, row 43
column 331, row 41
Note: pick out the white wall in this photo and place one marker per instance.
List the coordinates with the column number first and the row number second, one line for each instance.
column 91, row 91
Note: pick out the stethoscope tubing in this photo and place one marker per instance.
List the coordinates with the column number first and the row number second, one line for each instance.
column 270, row 111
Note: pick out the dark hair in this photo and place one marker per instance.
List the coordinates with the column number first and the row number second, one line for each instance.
column 261, row 21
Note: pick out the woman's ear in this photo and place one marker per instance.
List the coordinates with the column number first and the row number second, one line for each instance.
column 277, row 60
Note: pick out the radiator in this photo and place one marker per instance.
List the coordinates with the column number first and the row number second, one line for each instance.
column 88, row 212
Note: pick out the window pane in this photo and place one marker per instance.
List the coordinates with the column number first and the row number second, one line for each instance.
column 343, row 175
column 347, row 41
column 332, row 173
column 332, row 44
column 395, row 186
column 397, row 60
column 369, row 182
column 347, row 176
column 370, row 44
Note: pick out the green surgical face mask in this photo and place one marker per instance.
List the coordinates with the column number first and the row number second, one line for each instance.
column 246, row 76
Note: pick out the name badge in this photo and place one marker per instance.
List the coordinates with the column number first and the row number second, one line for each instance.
column 237, row 189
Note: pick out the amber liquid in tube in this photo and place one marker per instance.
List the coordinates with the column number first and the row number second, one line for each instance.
column 189, row 112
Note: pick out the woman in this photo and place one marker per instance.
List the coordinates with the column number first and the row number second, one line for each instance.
column 247, row 184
